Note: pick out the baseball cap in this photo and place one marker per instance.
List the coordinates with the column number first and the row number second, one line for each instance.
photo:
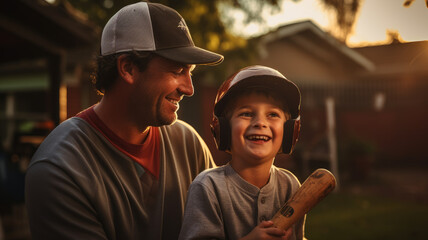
column 156, row 28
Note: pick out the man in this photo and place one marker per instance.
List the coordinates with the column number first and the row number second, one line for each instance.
column 121, row 169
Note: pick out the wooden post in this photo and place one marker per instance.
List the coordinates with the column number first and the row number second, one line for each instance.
column 56, row 67
column 331, row 136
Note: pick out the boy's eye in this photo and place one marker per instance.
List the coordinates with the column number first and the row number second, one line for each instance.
column 245, row 114
column 273, row 114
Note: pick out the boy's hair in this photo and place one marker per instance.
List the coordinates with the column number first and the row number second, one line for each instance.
column 106, row 72
column 228, row 110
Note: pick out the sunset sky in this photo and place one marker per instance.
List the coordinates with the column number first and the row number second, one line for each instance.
column 374, row 19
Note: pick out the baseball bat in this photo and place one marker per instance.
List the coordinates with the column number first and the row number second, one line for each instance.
column 318, row 185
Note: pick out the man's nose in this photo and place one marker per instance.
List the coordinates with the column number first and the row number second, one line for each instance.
column 186, row 87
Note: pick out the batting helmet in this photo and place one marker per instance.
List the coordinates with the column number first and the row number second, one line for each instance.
column 259, row 77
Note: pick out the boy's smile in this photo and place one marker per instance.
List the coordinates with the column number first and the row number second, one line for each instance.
column 257, row 123
column 258, row 138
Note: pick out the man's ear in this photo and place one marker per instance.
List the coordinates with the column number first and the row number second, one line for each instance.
column 125, row 68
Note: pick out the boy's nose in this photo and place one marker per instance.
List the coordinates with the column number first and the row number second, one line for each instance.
column 259, row 122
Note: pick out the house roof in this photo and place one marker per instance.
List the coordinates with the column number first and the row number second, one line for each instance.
column 34, row 28
column 308, row 35
column 398, row 57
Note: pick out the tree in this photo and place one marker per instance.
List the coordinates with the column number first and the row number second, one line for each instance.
column 209, row 25
column 346, row 13
column 205, row 22
column 198, row 14
column 210, row 20
column 407, row 3
column 394, row 37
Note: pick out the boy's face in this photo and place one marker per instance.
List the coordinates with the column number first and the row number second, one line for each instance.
column 257, row 123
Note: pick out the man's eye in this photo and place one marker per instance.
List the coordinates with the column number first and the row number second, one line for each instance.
column 178, row 71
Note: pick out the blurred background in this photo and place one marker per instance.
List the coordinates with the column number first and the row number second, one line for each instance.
column 361, row 65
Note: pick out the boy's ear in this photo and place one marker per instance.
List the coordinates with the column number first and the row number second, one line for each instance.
column 221, row 131
column 291, row 135
column 125, row 68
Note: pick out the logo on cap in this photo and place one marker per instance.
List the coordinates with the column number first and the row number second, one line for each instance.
column 182, row 25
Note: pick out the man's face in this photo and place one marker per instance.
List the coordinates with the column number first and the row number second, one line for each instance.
column 158, row 91
column 257, row 124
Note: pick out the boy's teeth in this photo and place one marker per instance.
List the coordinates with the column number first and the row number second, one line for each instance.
column 265, row 138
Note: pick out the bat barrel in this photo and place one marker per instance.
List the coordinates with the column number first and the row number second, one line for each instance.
column 317, row 186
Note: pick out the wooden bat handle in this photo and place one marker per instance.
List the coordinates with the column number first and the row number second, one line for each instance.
column 318, row 185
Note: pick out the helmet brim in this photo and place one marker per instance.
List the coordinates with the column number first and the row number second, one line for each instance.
column 282, row 87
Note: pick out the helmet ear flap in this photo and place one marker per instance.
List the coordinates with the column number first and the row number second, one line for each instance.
column 220, row 129
column 291, row 135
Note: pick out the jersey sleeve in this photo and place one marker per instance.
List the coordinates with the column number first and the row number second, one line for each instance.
column 57, row 208
column 202, row 216
column 192, row 146
column 206, row 156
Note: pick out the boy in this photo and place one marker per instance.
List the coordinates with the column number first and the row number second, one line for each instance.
column 256, row 116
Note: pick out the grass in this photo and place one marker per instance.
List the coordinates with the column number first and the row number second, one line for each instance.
column 348, row 217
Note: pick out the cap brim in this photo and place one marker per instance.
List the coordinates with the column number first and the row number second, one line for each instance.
column 191, row 55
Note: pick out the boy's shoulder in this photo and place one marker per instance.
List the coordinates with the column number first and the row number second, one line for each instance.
column 285, row 175
column 212, row 174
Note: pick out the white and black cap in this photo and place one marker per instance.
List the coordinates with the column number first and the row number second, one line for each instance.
column 155, row 28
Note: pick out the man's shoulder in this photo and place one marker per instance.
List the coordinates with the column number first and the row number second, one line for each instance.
column 67, row 130
column 179, row 125
column 181, row 130
column 66, row 139
column 72, row 124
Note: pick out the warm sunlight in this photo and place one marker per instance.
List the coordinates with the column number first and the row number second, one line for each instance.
column 373, row 22
column 291, row 12
column 62, row 103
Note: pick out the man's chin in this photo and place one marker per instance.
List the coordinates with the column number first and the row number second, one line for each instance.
column 170, row 122
column 167, row 121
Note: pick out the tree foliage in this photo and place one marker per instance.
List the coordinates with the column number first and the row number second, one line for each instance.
column 210, row 22
column 205, row 22
column 210, row 26
column 203, row 18
column 407, row 3
column 346, row 13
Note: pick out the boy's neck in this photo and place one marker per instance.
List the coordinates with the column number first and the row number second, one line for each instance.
column 258, row 175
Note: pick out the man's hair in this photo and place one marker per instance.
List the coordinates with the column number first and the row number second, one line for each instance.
column 106, row 72
column 227, row 112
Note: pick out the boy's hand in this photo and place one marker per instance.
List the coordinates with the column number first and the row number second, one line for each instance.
column 266, row 230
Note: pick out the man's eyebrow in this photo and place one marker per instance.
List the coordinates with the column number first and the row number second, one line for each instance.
column 191, row 67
